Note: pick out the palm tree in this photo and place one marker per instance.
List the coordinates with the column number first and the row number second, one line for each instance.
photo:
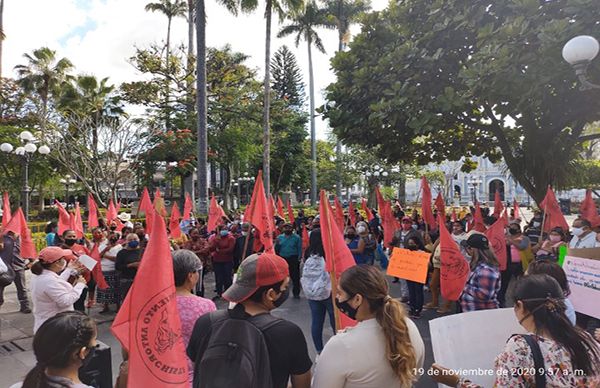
column 43, row 75
column 303, row 27
column 2, row 36
column 283, row 8
column 341, row 15
column 233, row 6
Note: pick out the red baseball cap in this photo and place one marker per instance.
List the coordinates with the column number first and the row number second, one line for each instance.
column 256, row 271
column 51, row 254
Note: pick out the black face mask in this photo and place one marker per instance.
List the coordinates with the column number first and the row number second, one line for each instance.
column 113, row 227
column 288, row 232
column 513, row 231
column 350, row 236
column 70, row 242
column 346, row 309
column 282, row 298
column 413, row 247
column 114, row 240
column 88, row 358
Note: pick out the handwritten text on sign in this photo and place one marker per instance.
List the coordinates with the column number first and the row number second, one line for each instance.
column 409, row 265
column 584, row 280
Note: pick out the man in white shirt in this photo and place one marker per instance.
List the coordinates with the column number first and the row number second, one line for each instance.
column 583, row 236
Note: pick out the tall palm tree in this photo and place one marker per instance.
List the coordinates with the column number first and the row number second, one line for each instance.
column 283, row 8
column 2, row 36
column 43, row 75
column 342, row 14
column 303, row 26
column 233, row 6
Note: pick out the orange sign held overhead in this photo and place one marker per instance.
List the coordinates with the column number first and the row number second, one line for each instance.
column 409, row 265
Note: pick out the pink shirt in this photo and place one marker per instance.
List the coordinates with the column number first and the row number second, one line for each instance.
column 190, row 309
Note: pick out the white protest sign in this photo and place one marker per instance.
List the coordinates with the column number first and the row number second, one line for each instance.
column 87, row 262
column 584, row 281
column 469, row 342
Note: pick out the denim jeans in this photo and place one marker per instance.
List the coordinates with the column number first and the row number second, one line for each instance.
column 415, row 295
column 21, row 286
column 318, row 308
column 223, row 275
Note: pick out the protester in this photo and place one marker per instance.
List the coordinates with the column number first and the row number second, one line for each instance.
column 51, row 234
column 69, row 238
column 352, row 242
column 583, row 235
column 108, row 258
column 400, row 239
column 316, row 284
column 367, row 242
column 520, row 248
column 199, row 246
column 51, row 291
column 481, row 290
column 221, row 246
column 246, row 239
column 533, row 231
column 62, row 345
column 10, row 254
column 187, row 269
column 569, row 355
column 277, row 346
column 558, row 273
column 127, row 263
column 548, row 249
column 384, row 349
column 415, row 289
column 289, row 246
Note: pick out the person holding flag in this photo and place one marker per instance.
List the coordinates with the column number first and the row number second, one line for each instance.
column 10, row 254
column 108, row 257
column 482, row 287
column 289, row 246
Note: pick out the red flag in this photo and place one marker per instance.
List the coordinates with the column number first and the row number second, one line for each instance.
column 6, row 216
column 290, row 211
column 111, row 212
column 390, row 224
column 77, row 222
column 272, row 204
column 280, row 207
column 339, row 214
column 145, row 203
column 478, row 224
column 498, row 206
column 440, row 205
column 454, row 217
column 188, row 207
column 64, row 218
column 159, row 203
column 215, row 214
column 352, row 213
column 497, row 238
column 250, row 207
column 552, row 213
column 97, row 270
column 18, row 225
column 338, row 257
column 366, row 210
column 262, row 215
column 588, row 209
column 174, row 221
column 426, row 212
column 92, row 213
column 305, row 239
column 149, row 221
column 120, row 225
column 148, row 324
column 516, row 209
column 504, row 217
column 454, row 269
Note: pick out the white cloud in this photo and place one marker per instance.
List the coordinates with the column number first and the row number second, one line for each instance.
column 99, row 36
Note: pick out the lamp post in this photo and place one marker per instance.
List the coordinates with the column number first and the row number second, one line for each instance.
column 247, row 180
column 475, row 181
column 25, row 152
column 67, row 181
column 579, row 52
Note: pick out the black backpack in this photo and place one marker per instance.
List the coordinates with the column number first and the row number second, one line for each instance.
column 235, row 354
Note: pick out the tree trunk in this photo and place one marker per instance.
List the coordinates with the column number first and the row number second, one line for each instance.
column 267, row 101
column 190, row 65
column 201, row 107
column 338, row 143
column 167, row 91
column 2, row 31
column 313, row 133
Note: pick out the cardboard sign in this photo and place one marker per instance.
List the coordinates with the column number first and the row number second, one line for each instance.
column 87, row 262
column 584, row 281
column 469, row 342
column 409, row 265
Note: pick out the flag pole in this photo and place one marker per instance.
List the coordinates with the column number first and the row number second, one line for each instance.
column 336, row 312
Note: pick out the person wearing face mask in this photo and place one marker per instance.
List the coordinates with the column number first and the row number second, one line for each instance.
column 534, row 228
column 277, row 350
column 70, row 242
column 408, row 229
column 246, row 239
column 583, row 235
column 552, row 344
column 483, row 285
column 415, row 289
column 367, row 242
column 62, row 346
column 384, row 349
column 51, row 292
column 200, row 247
column 353, row 243
column 221, row 246
column 289, row 246
column 108, row 255
column 127, row 263
column 548, row 249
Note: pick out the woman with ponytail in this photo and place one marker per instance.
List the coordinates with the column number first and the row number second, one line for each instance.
column 384, row 349
column 62, row 345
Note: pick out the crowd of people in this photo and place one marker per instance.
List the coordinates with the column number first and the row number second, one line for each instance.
column 384, row 347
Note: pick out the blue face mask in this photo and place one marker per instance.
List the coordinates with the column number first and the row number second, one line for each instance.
column 415, row 226
column 224, row 233
column 133, row 244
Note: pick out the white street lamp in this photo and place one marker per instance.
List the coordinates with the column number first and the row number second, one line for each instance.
column 6, row 147
column 376, row 173
column 26, row 136
column 579, row 52
column 20, row 151
column 30, row 148
column 385, row 174
column 44, row 150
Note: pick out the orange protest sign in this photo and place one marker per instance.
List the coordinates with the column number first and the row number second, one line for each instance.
column 409, row 265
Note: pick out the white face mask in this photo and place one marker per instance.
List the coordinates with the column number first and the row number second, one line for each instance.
column 244, row 233
column 64, row 265
column 536, row 224
column 361, row 229
column 577, row 231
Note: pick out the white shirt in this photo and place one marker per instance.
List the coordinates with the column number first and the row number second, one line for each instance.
column 109, row 265
column 356, row 358
column 588, row 241
column 52, row 294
